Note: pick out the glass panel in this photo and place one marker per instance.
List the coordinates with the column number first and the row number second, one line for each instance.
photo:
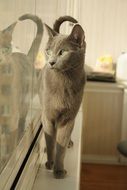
column 17, row 75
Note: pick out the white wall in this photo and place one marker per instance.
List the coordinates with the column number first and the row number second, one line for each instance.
column 104, row 22
column 105, row 25
column 47, row 10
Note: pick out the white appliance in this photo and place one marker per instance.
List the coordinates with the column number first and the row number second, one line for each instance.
column 121, row 69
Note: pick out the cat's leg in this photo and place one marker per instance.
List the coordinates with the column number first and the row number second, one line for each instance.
column 62, row 140
column 50, row 138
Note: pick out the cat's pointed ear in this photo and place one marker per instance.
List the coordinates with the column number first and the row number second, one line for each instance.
column 10, row 28
column 77, row 35
column 50, row 31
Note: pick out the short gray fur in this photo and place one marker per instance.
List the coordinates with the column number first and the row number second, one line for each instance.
column 22, row 69
column 62, row 83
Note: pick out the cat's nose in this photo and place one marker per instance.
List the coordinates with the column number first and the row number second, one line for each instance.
column 52, row 63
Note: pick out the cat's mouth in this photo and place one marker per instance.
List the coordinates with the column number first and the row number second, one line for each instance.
column 51, row 67
column 64, row 69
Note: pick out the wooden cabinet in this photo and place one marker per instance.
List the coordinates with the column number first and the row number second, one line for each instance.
column 102, row 121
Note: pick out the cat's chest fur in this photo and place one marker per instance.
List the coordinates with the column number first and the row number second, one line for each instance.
column 59, row 88
column 60, row 91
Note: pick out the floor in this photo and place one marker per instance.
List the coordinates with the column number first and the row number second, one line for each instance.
column 103, row 177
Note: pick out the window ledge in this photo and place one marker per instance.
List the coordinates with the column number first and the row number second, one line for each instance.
column 45, row 179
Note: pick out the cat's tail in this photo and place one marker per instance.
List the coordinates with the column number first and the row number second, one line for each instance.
column 32, row 54
column 62, row 19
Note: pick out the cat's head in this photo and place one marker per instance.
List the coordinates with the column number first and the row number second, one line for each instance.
column 5, row 39
column 65, row 52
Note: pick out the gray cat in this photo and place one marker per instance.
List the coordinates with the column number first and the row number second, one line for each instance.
column 28, row 72
column 56, row 28
column 20, row 68
column 61, row 89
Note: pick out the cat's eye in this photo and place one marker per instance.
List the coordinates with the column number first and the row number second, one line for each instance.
column 48, row 52
column 62, row 51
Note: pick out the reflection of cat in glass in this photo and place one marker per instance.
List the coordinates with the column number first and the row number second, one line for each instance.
column 61, row 91
column 16, row 70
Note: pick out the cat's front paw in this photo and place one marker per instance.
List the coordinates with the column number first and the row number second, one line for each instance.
column 49, row 165
column 60, row 174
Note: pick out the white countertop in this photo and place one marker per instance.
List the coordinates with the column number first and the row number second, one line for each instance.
column 118, row 84
column 45, row 179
